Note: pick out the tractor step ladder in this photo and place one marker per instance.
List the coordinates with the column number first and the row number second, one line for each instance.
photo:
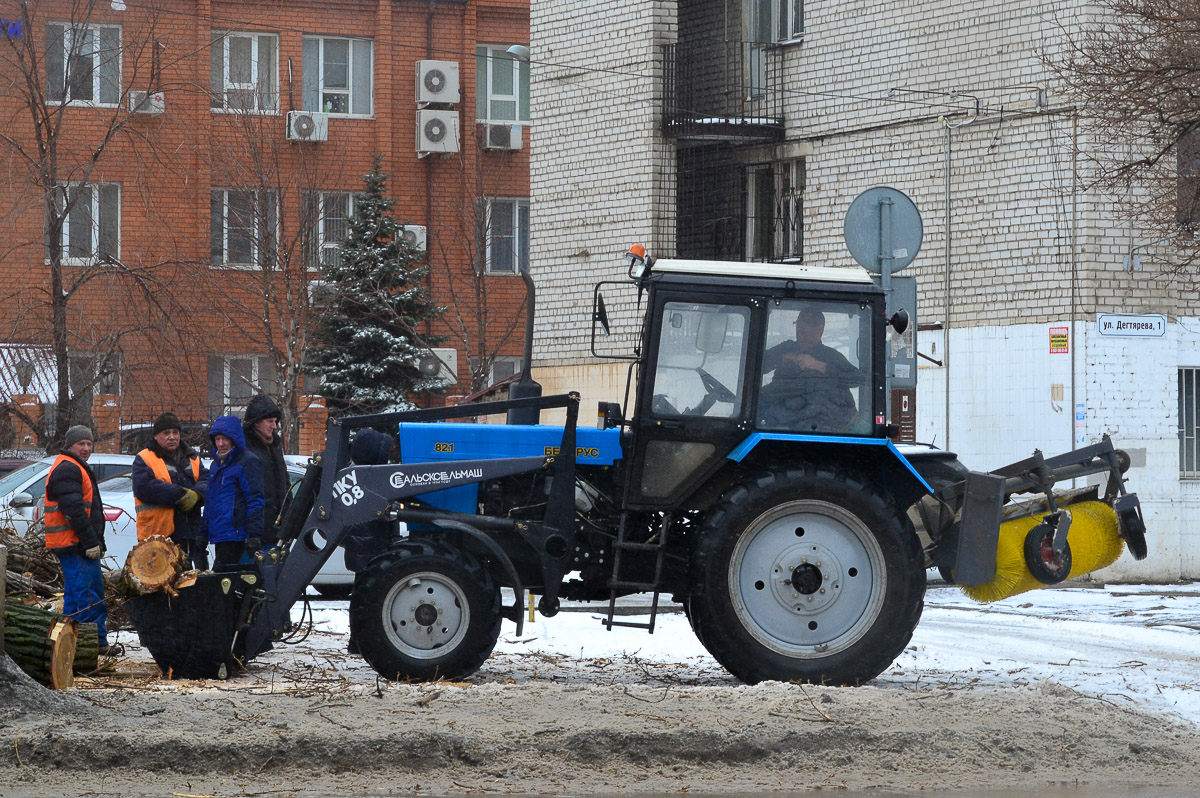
column 617, row 584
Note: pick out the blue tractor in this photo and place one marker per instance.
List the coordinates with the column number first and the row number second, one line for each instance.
column 754, row 480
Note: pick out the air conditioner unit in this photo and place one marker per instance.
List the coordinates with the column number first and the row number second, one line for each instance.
column 437, row 131
column 307, row 126
column 502, row 137
column 448, row 362
column 437, row 82
column 146, row 102
column 413, row 235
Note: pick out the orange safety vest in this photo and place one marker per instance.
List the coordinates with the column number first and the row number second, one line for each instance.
column 155, row 519
column 59, row 532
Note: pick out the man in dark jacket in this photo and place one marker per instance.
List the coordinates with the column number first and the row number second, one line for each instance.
column 261, row 427
column 74, row 522
column 233, row 507
column 169, row 483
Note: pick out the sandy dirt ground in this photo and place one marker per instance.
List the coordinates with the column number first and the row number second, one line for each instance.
column 533, row 724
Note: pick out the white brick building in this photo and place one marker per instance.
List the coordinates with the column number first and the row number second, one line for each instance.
column 947, row 101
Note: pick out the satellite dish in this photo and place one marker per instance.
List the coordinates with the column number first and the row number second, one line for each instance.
column 435, row 130
column 883, row 221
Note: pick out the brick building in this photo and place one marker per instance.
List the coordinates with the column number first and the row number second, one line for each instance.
column 744, row 130
column 205, row 156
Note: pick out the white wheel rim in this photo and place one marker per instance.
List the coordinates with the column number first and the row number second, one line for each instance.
column 807, row 579
column 425, row 615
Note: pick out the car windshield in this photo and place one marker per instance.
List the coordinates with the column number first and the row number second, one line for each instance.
column 11, row 482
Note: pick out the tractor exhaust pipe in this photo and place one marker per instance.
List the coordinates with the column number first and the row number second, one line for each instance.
column 525, row 387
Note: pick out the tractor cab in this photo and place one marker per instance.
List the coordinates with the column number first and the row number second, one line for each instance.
column 732, row 349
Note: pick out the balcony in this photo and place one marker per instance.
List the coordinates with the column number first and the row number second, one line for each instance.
column 722, row 91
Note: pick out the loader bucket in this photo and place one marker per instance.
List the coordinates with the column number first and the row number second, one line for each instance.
column 192, row 635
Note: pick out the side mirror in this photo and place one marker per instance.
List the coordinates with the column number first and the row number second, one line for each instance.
column 899, row 321
column 22, row 500
column 600, row 314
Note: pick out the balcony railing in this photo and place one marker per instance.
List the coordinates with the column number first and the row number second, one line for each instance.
column 722, row 91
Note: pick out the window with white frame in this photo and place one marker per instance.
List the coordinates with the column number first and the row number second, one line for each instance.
column 91, row 221
column 83, row 64
column 501, row 85
column 244, row 71
column 234, row 379
column 775, row 211
column 507, row 235
column 776, row 20
column 1189, row 423
column 244, row 227
column 338, row 75
column 329, row 214
column 503, row 367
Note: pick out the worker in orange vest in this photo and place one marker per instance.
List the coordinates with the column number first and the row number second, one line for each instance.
column 169, row 485
column 74, row 523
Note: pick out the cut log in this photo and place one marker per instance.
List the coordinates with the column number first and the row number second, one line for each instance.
column 154, row 564
column 41, row 643
column 87, row 649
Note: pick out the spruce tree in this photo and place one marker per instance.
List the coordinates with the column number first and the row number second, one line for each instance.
column 367, row 339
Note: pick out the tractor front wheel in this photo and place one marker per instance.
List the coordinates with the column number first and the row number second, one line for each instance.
column 806, row 574
column 423, row 612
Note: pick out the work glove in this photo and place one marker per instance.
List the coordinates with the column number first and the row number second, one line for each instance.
column 94, row 553
column 188, row 500
column 253, row 546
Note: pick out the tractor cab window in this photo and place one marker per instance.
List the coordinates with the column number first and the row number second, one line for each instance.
column 701, row 360
column 816, row 368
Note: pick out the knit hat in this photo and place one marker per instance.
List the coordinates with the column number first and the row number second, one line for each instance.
column 75, row 434
column 166, row 421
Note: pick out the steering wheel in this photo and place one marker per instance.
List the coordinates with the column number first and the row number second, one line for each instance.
column 715, row 389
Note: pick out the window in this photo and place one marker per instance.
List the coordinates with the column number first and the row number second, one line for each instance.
column 337, row 75
column 330, row 214
column 243, row 227
column 816, row 368
column 1189, row 423
column 92, row 374
column 503, row 367
column 91, row 221
column 507, row 235
column 701, row 360
column 244, row 68
column 234, row 379
column 501, row 85
column 776, row 20
column 83, row 64
column 775, row 211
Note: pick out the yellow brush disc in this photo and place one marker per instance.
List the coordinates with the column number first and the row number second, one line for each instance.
column 1094, row 544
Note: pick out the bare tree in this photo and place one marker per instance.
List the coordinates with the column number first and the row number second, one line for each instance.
column 54, row 63
column 1134, row 68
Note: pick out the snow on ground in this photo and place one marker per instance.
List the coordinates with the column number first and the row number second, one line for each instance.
column 1131, row 645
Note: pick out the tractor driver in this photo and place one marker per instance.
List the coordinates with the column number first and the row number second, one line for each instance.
column 811, row 387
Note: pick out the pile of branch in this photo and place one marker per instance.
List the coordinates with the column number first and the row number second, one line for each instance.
column 35, row 577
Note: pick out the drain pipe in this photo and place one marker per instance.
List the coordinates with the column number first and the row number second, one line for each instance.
column 946, row 286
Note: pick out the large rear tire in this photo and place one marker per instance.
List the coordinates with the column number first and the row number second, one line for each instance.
column 423, row 612
column 806, row 574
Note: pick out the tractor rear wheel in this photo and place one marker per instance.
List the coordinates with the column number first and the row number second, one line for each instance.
column 425, row 612
column 806, row 574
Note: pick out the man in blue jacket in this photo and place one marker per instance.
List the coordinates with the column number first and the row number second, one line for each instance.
column 233, row 507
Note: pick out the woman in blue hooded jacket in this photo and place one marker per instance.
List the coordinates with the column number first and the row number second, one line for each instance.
column 233, row 508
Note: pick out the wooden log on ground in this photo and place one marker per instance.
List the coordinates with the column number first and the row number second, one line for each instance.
column 41, row 643
column 87, row 649
column 153, row 565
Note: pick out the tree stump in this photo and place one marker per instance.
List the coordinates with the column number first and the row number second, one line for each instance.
column 153, row 566
column 41, row 643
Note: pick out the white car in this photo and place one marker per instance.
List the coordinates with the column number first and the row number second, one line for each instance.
column 333, row 580
column 23, row 489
